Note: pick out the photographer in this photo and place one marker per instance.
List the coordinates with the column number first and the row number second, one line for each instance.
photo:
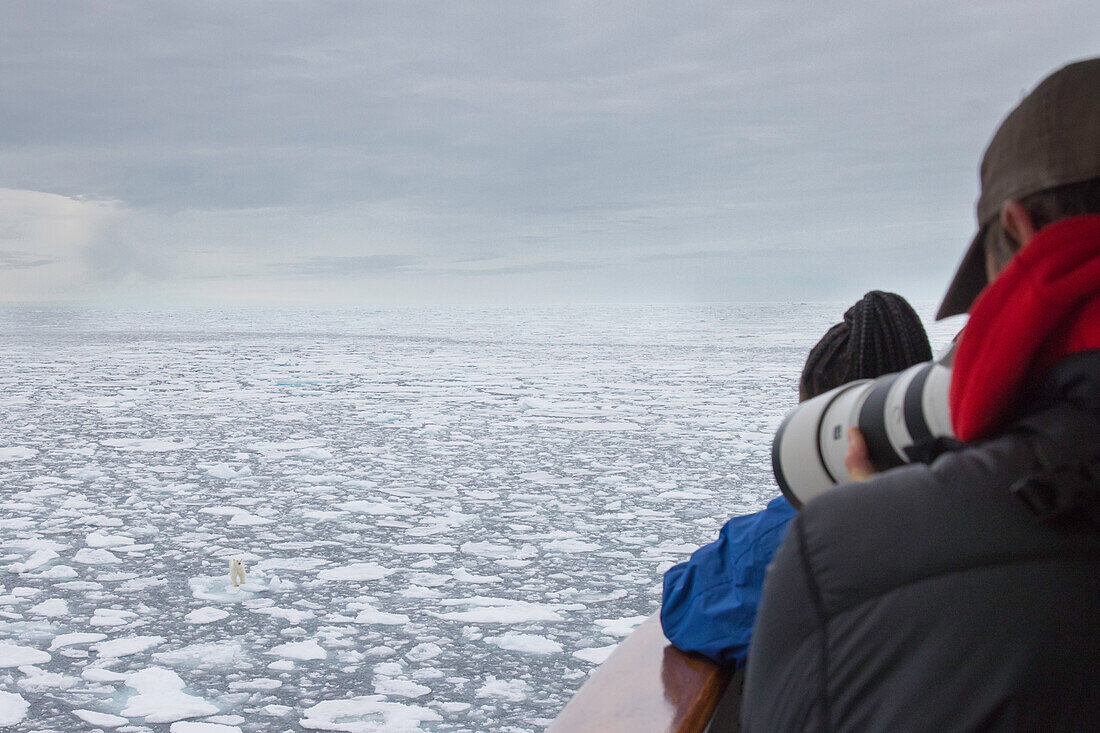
column 965, row 594
column 709, row 602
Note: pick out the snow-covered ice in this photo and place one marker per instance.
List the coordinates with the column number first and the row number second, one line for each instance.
column 126, row 646
column 360, row 571
column 100, row 720
column 300, row 650
column 533, row 643
column 596, row 655
column 13, row 708
column 205, row 615
column 447, row 517
column 160, row 697
column 14, row 655
column 367, row 714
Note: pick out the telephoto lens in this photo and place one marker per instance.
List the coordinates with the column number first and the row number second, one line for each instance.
column 896, row 413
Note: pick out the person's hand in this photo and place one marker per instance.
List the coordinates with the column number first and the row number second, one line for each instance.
column 858, row 460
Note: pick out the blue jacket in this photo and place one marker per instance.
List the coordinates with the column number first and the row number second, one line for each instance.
column 709, row 602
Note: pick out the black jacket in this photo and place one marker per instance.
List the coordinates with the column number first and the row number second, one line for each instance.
column 931, row 598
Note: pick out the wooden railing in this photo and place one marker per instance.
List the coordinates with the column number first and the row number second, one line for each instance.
column 646, row 686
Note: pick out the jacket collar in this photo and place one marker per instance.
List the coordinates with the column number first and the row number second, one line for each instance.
column 1044, row 306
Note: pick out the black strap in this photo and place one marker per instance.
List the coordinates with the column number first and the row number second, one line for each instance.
column 928, row 450
column 1065, row 493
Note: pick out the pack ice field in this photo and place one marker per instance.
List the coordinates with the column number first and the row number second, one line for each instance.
column 445, row 519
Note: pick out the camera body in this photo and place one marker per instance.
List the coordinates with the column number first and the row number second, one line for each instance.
column 895, row 413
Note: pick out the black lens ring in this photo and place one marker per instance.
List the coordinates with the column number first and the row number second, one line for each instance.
column 872, row 423
column 913, row 406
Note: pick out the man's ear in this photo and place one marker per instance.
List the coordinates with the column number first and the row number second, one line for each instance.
column 1017, row 222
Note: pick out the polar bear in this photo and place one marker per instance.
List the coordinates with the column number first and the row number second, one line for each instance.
column 236, row 572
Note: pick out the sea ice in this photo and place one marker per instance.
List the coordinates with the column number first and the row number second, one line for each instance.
column 425, row 549
column 371, row 615
column 498, row 551
column 423, row 652
column 505, row 498
column 294, row 564
column 293, row 616
column 100, row 720
column 596, row 655
column 13, row 708
column 205, row 615
column 210, row 655
column 12, row 655
column 367, row 714
column 511, row 690
column 217, row 588
column 50, row 608
column 248, row 519
column 620, row 626
column 187, row 726
column 359, row 571
column 111, row 617
column 571, row 545
column 315, row 454
column 499, row 611
column 161, row 698
column 304, row 650
column 99, row 539
column 462, row 575
column 147, row 445
column 17, row 453
column 89, row 556
column 57, row 572
column 227, row 472
column 126, row 646
column 376, row 506
column 531, row 643
column 38, row 680
column 400, row 688
column 37, row 559
column 73, row 639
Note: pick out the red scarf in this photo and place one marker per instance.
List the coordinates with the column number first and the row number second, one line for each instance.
column 1045, row 305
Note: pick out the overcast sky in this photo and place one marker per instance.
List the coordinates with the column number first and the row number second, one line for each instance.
column 503, row 152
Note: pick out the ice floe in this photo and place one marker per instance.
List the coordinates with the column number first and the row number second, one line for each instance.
column 304, row 650
column 227, row 472
column 100, row 720
column 160, row 697
column 126, row 646
column 189, row 726
column 226, row 654
column 530, row 643
column 14, row 655
column 499, row 611
column 13, row 708
column 147, row 445
column 596, row 655
column 367, row 714
column 17, row 453
column 360, row 571
column 511, row 690
column 205, row 615
column 74, row 639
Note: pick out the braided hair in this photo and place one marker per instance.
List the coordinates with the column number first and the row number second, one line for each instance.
column 880, row 334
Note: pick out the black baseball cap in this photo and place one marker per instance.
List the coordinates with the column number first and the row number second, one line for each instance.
column 1051, row 139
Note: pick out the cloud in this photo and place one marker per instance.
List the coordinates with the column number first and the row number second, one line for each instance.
column 564, row 143
column 43, row 239
column 22, row 260
column 343, row 266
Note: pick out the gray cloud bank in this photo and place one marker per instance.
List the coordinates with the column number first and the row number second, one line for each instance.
column 570, row 151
